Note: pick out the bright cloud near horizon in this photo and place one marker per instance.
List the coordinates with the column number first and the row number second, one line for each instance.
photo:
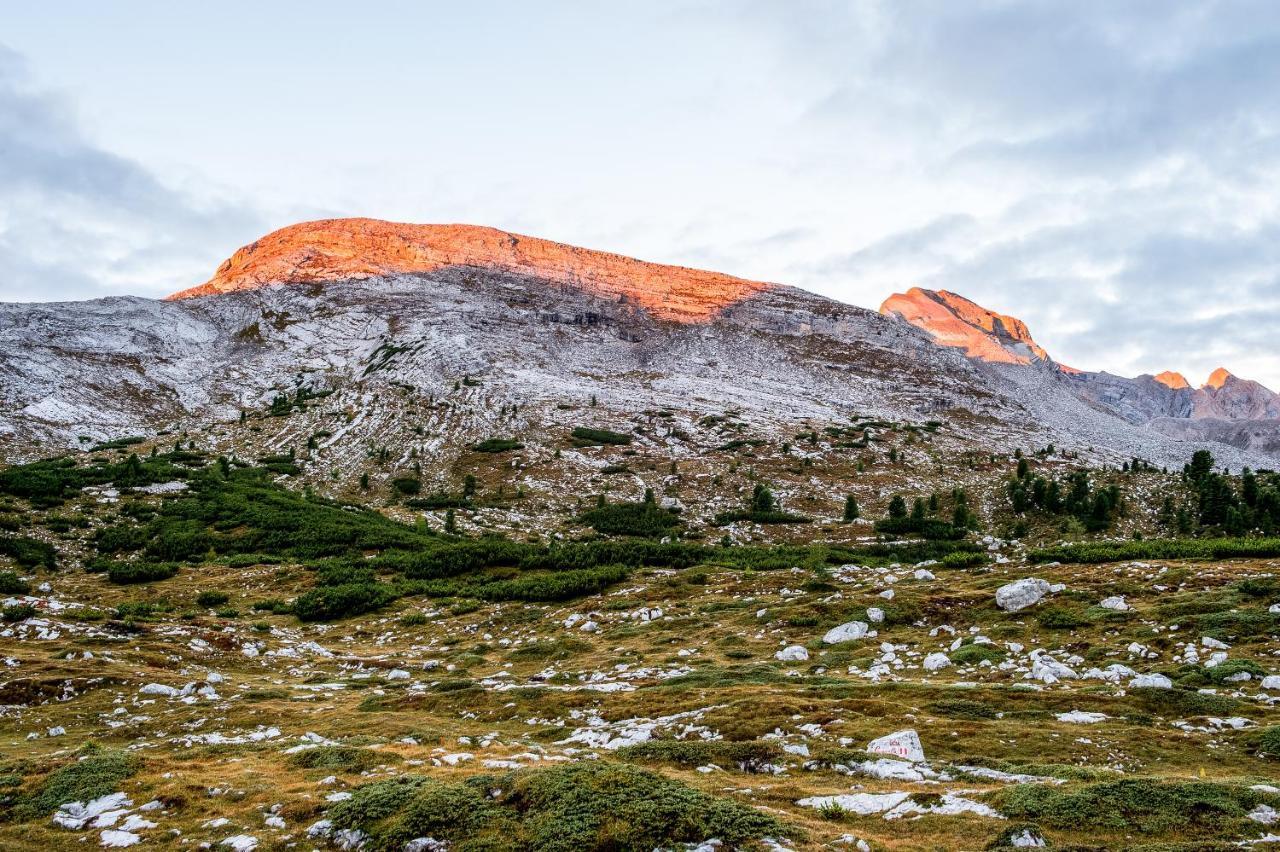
column 1105, row 170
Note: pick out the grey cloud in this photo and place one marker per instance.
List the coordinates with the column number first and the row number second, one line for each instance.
column 76, row 220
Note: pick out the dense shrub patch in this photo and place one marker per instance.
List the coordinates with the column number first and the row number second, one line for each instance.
column 584, row 805
column 97, row 774
column 28, row 552
column 498, row 445
column 1163, row 548
column 1137, row 804
column 638, row 519
column 129, row 573
column 584, row 436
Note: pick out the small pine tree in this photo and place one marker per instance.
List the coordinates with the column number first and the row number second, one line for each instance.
column 364, row 482
column 917, row 510
column 762, row 499
column 468, row 486
column 850, row 509
column 897, row 507
column 450, row 522
column 1024, row 469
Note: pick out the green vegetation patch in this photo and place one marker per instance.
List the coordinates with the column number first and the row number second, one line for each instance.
column 1138, row 804
column 498, row 445
column 561, row 809
column 1161, row 548
column 749, row 755
column 637, row 519
column 95, row 775
column 340, row 757
column 584, row 436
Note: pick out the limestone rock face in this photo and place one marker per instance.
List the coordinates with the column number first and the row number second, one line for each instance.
column 953, row 320
column 346, row 249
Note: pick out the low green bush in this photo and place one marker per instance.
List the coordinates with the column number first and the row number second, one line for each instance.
column 28, row 552
column 340, row 757
column 586, row 805
column 12, row 584
column 1161, row 548
column 92, row 776
column 1136, row 804
column 588, row 437
column 972, row 655
column 326, row 603
column 637, row 519
column 130, row 573
column 211, row 599
column 17, row 612
column 498, row 445
column 748, row 756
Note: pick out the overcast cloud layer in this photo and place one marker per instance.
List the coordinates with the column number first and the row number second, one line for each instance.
column 1107, row 171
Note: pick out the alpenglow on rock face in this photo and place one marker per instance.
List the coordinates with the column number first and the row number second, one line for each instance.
column 953, row 320
column 344, row 249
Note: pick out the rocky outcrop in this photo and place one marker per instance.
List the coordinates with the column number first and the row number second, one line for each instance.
column 1227, row 397
column 346, row 249
column 1172, row 380
column 953, row 320
column 1226, row 409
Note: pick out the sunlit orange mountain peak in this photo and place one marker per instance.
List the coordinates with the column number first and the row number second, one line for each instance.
column 1218, row 378
column 1170, row 379
column 953, row 320
column 345, row 249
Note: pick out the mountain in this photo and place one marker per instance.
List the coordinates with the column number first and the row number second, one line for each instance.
column 953, row 320
column 1226, row 409
column 358, row 249
column 434, row 337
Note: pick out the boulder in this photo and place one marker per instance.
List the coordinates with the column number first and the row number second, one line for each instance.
column 1021, row 594
column 793, row 654
column 936, row 661
column 1115, row 602
column 1155, row 681
column 846, row 632
column 902, row 744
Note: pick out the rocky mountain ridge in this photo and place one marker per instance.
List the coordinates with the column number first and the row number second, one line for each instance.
column 1226, row 408
column 489, row 324
column 354, row 249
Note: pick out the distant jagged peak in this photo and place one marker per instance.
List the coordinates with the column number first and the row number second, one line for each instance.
column 345, row 249
column 952, row 320
column 1218, row 378
column 1171, row 379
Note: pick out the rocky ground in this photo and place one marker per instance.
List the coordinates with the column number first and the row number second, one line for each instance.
column 895, row 707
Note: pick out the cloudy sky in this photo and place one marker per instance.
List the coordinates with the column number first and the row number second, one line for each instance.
column 1108, row 171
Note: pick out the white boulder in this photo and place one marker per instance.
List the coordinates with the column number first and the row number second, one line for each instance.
column 846, row 632
column 1021, row 594
column 793, row 654
column 936, row 661
column 902, row 744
